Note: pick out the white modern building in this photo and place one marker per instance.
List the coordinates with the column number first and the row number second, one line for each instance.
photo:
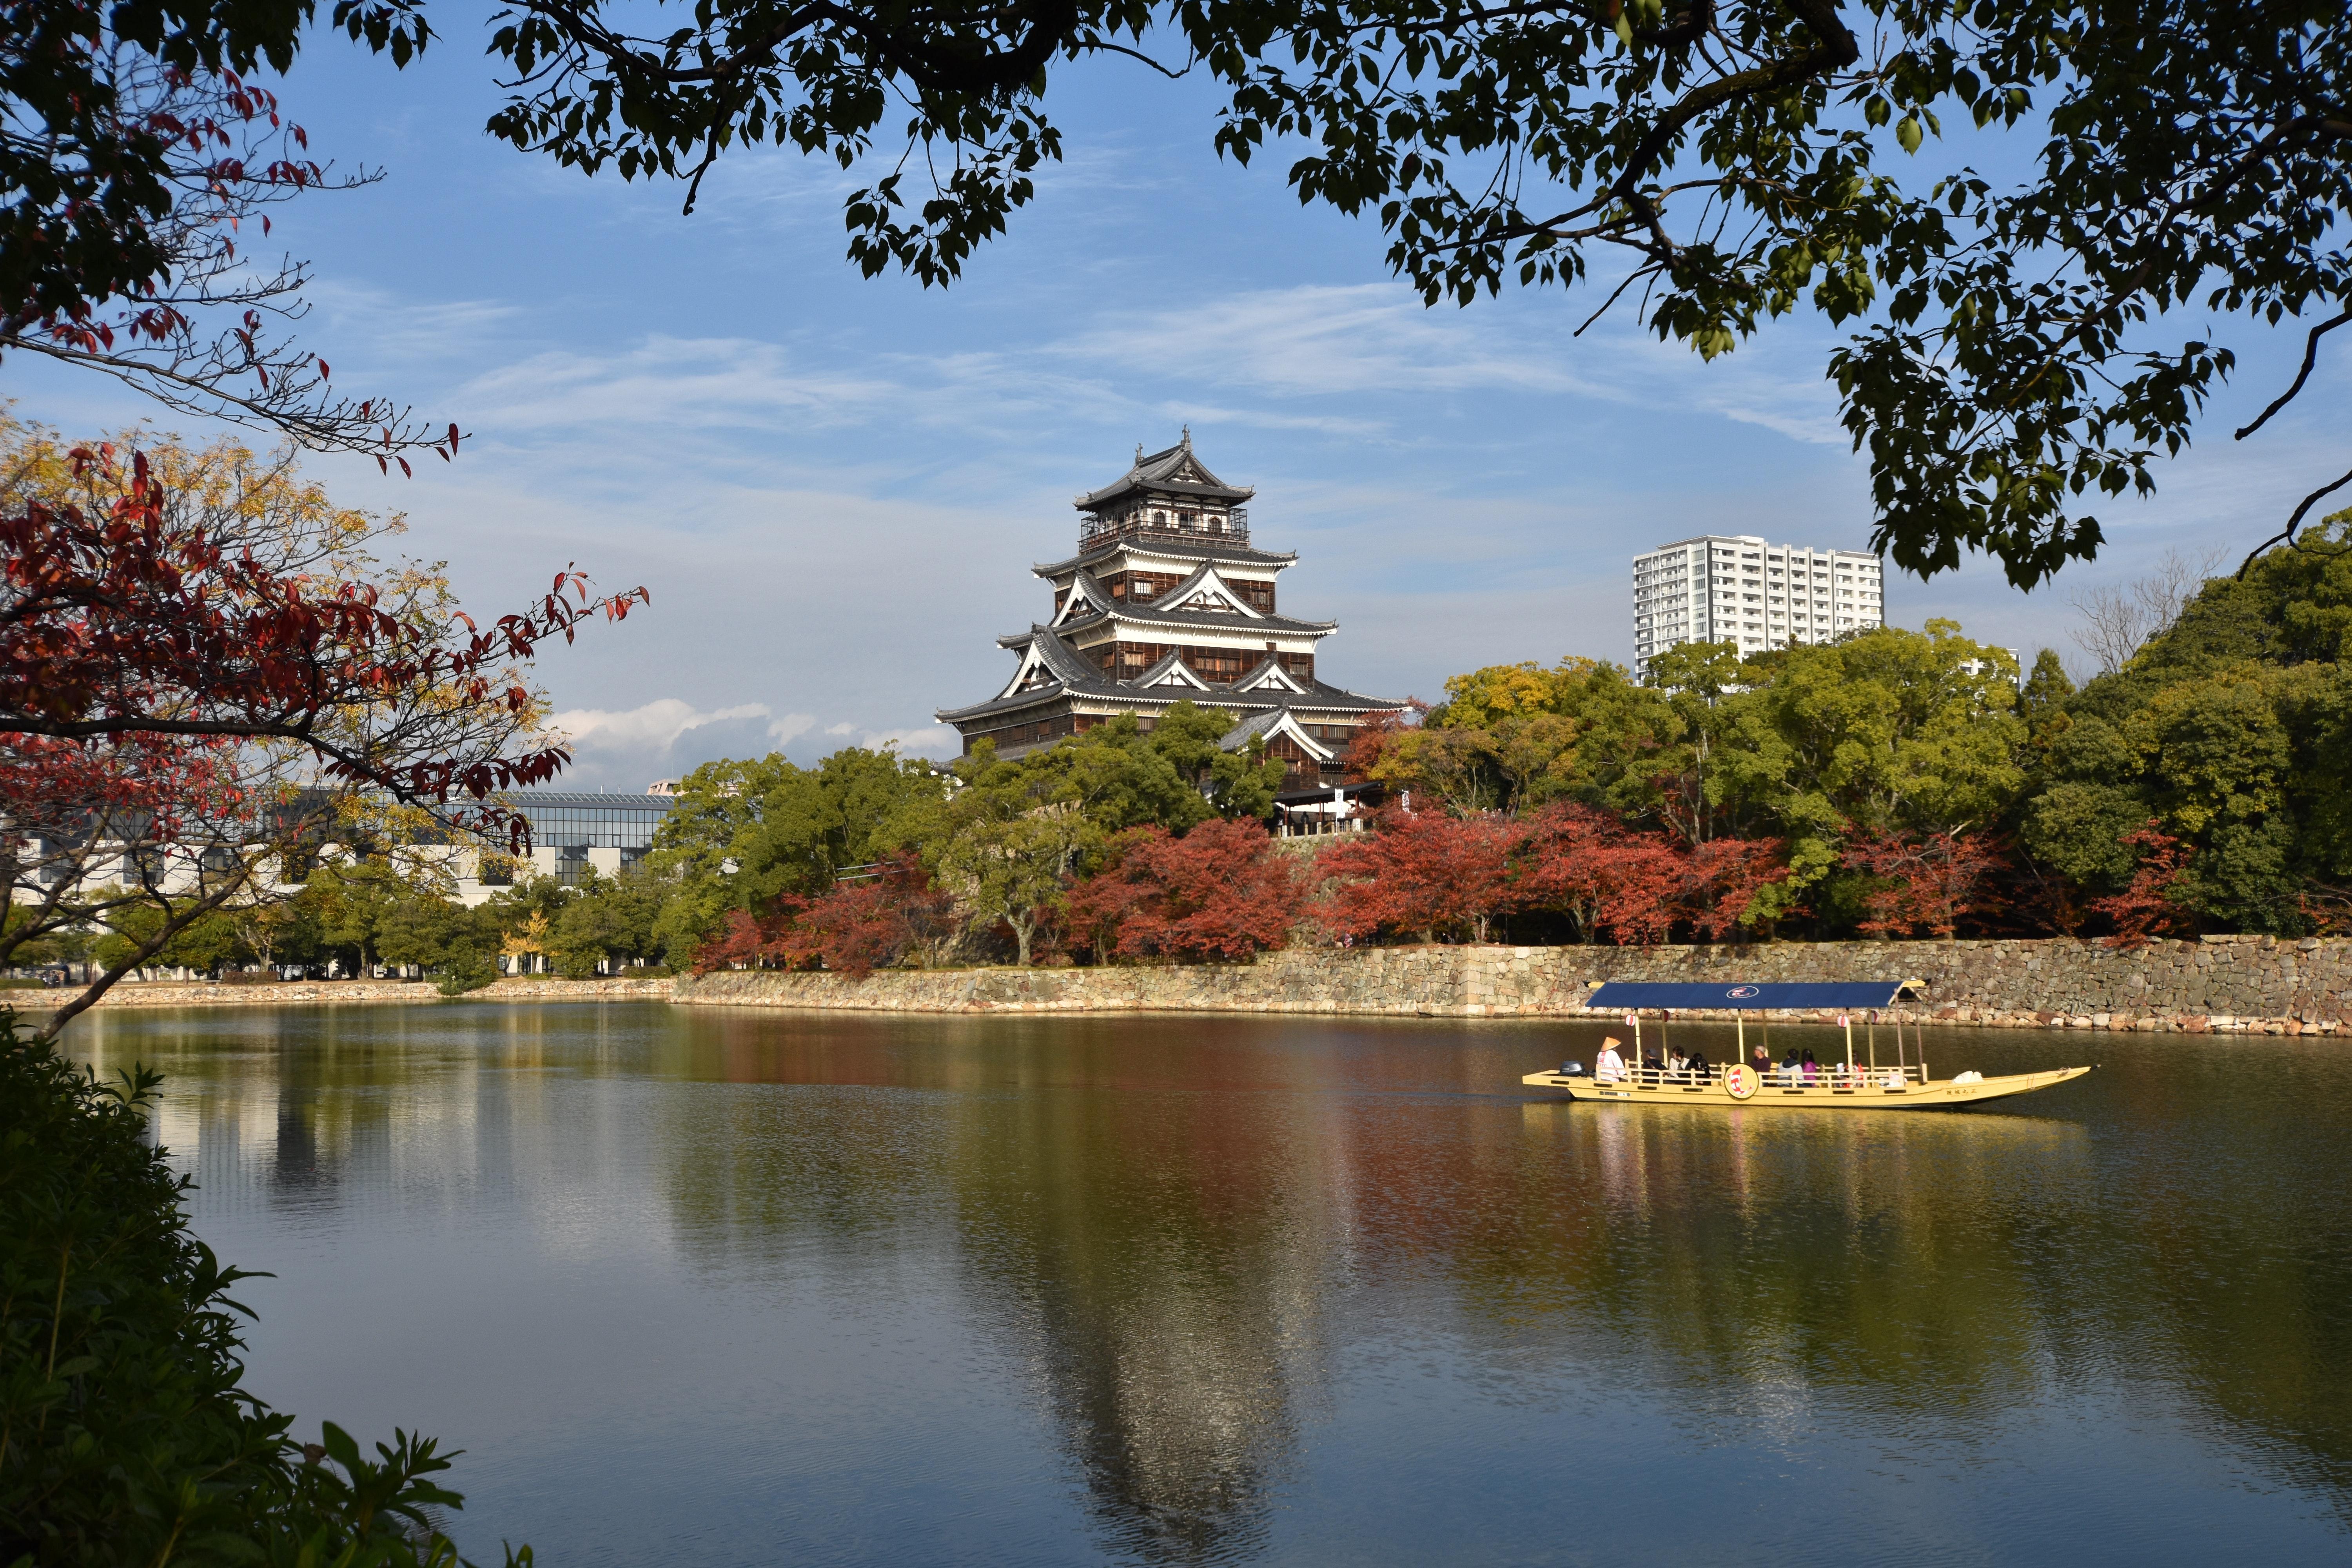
column 1735, row 588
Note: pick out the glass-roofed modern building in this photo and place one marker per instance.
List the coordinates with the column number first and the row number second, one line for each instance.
column 572, row 831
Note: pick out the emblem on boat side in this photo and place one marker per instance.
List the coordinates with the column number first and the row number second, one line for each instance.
column 1739, row 1080
column 1741, row 993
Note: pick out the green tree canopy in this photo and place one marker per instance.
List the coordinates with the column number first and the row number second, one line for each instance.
column 2016, row 351
column 744, row 834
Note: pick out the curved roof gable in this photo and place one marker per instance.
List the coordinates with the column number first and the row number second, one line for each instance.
column 1171, row 670
column 1161, row 547
column 1269, row 676
column 1276, row 721
column 1205, row 592
column 1175, row 471
column 1046, row 661
column 1086, row 598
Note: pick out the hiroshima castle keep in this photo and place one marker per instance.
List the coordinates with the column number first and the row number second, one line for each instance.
column 1166, row 602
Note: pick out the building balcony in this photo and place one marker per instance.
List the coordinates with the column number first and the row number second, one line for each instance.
column 1232, row 529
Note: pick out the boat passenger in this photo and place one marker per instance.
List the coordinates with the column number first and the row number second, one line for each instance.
column 1699, row 1071
column 1792, row 1068
column 1609, row 1067
column 1812, row 1068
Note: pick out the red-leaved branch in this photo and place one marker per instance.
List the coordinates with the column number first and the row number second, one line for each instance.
column 122, row 614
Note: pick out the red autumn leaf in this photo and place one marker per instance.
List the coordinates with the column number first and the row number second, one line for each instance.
column 2144, row 911
column 1927, row 882
column 1421, row 873
column 1220, row 891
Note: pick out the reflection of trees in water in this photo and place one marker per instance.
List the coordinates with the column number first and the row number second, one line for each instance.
column 750, row 1178
column 842, row 1157
column 1155, row 1253
column 1161, row 1259
column 1155, row 1218
column 1925, row 1273
column 309, row 1108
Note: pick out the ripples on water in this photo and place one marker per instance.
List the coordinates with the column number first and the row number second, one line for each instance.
column 755, row 1288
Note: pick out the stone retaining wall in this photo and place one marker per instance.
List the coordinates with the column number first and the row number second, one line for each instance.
column 2217, row 984
column 158, row 993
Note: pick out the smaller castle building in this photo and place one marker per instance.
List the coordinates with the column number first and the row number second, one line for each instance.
column 1167, row 600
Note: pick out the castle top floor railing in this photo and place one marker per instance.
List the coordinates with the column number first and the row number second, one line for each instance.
column 1229, row 529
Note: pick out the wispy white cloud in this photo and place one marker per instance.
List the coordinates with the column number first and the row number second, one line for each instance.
column 916, row 740
column 384, row 326
column 660, row 723
column 628, row 749
column 660, row 382
column 1321, row 339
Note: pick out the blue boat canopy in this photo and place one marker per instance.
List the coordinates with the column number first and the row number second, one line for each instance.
column 1631, row 996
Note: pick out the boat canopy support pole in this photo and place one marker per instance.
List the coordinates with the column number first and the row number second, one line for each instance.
column 1848, row 1022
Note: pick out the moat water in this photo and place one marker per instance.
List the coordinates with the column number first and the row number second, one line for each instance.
column 720, row 1286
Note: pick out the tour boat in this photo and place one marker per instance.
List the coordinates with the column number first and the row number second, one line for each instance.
column 1853, row 1084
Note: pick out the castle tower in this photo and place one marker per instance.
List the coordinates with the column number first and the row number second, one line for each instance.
column 1167, row 601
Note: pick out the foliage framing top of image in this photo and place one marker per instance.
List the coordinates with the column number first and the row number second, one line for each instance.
column 2014, row 356
column 1718, row 164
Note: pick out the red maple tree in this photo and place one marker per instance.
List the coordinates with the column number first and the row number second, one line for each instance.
column 743, row 941
column 122, row 613
column 200, row 676
column 1605, row 878
column 1373, row 736
column 1096, row 910
column 860, row 924
column 1721, row 877
column 1220, row 891
column 867, row 922
column 2143, row 910
column 1928, row 881
column 1420, row 872
column 1635, row 886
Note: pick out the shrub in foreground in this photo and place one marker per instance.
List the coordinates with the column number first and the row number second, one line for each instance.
column 125, row 1437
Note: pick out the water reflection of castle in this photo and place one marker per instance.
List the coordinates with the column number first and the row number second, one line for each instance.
column 1158, row 1222
column 1163, row 1265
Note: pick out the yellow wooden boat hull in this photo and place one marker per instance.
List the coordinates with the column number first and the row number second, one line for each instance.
column 1937, row 1094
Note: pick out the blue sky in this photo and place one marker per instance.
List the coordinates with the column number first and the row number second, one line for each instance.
column 835, row 487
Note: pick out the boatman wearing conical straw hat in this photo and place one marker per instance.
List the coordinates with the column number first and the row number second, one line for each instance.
column 1609, row 1067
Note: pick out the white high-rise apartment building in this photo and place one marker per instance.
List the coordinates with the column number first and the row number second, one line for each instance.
column 1735, row 588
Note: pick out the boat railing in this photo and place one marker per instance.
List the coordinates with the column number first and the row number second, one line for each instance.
column 1826, row 1075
